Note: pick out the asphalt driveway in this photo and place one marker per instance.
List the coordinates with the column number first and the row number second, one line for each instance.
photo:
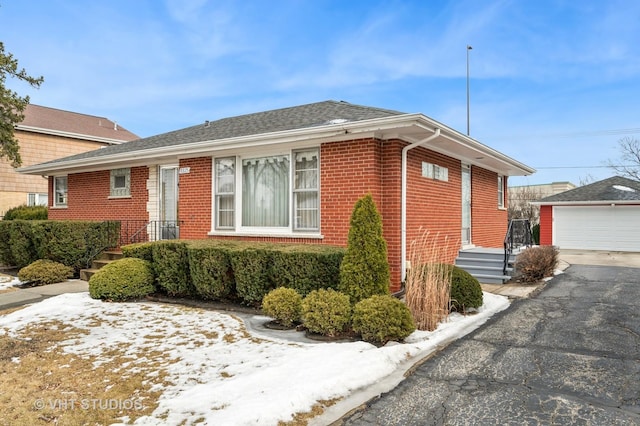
column 569, row 355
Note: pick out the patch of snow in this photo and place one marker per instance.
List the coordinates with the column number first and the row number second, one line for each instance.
column 217, row 373
column 623, row 188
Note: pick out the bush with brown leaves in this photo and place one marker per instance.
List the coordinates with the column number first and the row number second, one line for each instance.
column 536, row 263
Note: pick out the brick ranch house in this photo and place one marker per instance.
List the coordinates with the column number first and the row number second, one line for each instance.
column 294, row 175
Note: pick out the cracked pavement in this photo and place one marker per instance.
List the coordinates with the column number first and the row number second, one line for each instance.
column 569, row 355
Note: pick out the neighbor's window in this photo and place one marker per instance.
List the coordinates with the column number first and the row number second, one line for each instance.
column 500, row 192
column 305, row 189
column 120, row 182
column 225, row 192
column 37, row 199
column 60, row 191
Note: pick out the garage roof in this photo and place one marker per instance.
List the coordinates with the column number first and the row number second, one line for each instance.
column 616, row 189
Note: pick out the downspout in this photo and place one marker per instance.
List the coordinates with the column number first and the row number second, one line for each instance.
column 403, row 198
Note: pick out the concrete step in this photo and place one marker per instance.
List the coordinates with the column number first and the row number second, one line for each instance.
column 104, row 258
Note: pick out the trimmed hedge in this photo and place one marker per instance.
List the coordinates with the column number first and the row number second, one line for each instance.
column 284, row 305
column 45, row 271
column 307, row 268
column 252, row 271
column 380, row 319
column 27, row 213
column 142, row 251
column 72, row 243
column 171, row 267
column 122, row 279
column 210, row 270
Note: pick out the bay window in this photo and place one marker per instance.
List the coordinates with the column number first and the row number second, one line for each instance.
column 276, row 193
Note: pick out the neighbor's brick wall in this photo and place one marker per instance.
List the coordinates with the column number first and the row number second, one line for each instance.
column 88, row 198
column 546, row 225
column 488, row 222
column 195, row 198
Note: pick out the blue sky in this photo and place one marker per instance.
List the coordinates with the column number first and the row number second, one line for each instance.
column 554, row 84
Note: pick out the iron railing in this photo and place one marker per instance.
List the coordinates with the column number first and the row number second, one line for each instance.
column 519, row 234
column 139, row 231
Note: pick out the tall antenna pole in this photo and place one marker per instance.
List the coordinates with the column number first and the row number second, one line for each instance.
column 468, row 49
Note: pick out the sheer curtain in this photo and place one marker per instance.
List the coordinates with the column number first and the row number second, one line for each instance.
column 306, row 189
column 265, row 191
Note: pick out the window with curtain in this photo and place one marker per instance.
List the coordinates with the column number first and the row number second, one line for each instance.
column 305, row 190
column 60, row 190
column 265, row 191
column 225, row 191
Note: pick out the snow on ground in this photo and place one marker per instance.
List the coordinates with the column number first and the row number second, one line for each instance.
column 7, row 281
column 224, row 375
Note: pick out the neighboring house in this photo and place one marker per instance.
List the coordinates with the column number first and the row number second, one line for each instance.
column 46, row 134
column 520, row 198
column 604, row 215
column 294, row 175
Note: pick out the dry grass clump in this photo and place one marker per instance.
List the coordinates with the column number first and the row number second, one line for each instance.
column 428, row 282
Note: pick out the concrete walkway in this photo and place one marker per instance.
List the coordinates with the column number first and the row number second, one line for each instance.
column 23, row 296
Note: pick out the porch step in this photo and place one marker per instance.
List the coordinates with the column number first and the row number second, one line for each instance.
column 103, row 259
column 486, row 264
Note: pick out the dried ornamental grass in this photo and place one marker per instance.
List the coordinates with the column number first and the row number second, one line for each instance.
column 428, row 282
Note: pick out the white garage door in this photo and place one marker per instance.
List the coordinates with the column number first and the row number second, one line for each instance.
column 614, row 228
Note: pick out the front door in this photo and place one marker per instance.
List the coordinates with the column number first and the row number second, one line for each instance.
column 169, row 229
column 466, row 205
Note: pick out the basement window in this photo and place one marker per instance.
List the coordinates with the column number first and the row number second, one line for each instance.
column 120, row 183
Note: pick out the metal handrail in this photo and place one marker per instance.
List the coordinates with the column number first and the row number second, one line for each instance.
column 138, row 231
column 519, row 234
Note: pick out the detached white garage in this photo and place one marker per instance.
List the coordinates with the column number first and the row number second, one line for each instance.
column 604, row 215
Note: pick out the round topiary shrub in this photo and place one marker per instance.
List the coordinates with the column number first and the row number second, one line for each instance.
column 122, row 279
column 284, row 305
column 44, row 271
column 326, row 311
column 466, row 292
column 380, row 319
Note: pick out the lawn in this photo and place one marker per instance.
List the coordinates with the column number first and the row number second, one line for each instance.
column 71, row 359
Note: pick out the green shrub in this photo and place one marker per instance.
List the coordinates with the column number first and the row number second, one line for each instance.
column 380, row 319
column 536, row 263
column 284, row 305
column 27, row 213
column 466, row 291
column 535, row 231
column 364, row 271
column 6, row 256
column 122, row 279
column 142, row 251
column 252, row 271
column 21, row 243
column 210, row 270
column 45, row 271
column 326, row 312
column 171, row 267
column 306, row 267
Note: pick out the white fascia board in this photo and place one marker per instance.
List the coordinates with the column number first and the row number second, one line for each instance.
column 585, row 203
column 71, row 135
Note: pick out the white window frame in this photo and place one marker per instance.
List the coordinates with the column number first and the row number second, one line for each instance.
column 120, row 191
column 63, row 201
column 239, row 228
column 217, row 194
column 37, row 199
column 501, row 192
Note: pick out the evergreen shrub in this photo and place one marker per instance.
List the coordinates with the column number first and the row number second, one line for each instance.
column 171, row 267
column 251, row 265
column 142, row 251
column 326, row 312
column 364, row 271
column 122, row 279
column 26, row 213
column 284, row 305
column 44, row 271
column 210, row 270
column 466, row 292
column 379, row 319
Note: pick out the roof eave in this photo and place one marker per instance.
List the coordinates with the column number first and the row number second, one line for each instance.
column 110, row 141
column 580, row 203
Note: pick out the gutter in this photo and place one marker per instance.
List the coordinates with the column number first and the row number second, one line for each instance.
column 403, row 198
column 72, row 135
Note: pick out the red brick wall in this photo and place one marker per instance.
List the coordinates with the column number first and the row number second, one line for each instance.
column 546, row 225
column 88, row 197
column 488, row 222
column 195, row 198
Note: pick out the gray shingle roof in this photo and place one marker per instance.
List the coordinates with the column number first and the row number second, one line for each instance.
column 298, row 117
column 615, row 188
